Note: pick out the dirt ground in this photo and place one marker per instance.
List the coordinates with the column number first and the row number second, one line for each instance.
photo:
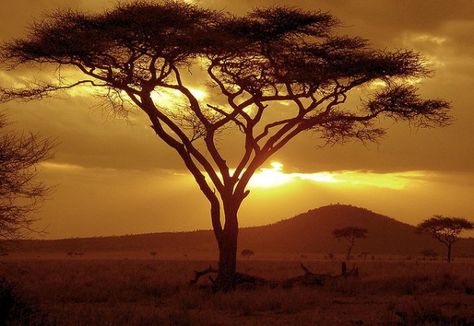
column 94, row 290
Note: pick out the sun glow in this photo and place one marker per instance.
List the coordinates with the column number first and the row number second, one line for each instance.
column 378, row 84
column 173, row 98
column 275, row 176
column 270, row 177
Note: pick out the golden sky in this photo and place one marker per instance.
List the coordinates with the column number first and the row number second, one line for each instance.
column 113, row 176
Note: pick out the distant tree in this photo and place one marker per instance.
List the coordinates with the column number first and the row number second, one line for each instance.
column 247, row 253
column 350, row 234
column 20, row 193
column 445, row 229
column 255, row 63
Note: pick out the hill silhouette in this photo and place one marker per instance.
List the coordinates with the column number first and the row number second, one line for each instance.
column 312, row 232
column 309, row 232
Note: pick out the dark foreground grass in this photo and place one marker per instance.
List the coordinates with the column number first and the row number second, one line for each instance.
column 152, row 292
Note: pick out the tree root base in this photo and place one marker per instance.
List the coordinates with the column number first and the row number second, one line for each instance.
column 239, row 279
column 308, row 279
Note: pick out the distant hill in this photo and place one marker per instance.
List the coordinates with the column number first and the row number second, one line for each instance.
column 312, row 232
column 309, row 232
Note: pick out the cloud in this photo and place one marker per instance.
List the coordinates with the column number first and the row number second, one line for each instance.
column 276, row 176
column 61, row 166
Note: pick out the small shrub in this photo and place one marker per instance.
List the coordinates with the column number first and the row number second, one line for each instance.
column 75, row 253
column 247, row 253
column 7, row 300
column 419, row 313
column 13, row 310
column 180, row 318
column 429, row 254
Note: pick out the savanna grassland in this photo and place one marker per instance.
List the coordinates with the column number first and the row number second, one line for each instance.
column 87, row 291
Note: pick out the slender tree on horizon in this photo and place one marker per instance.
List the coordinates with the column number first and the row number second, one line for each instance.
column 254, row 63
column 445, row 229
column 350, row 234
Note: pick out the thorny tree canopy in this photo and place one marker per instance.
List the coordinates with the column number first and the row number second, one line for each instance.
column 350, row 233
column 445, row 229
column 20, row 193
column 270, row 55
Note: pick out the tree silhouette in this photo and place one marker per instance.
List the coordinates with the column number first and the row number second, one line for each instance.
column 350, row 234
column 20, row 194
column 445, row 229
column 254, row 63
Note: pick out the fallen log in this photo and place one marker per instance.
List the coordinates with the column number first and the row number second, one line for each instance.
column 313, row 279
column 307, row 279
column 241, row 278
column 199, row 274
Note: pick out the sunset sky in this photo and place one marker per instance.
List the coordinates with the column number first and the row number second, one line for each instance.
column 114, row 176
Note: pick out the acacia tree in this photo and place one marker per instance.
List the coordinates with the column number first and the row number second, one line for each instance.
column 445, row 229
column 350, row 234
column 253, row 64
column 20, row 193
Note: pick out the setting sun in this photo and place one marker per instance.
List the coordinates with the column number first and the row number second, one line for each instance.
column 275, row 176
column 174, row 99
column 270, row 177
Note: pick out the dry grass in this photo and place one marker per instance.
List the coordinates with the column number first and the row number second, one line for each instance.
column 153, row 292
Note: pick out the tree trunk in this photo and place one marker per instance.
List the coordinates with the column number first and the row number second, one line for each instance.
column 228, row 251
column 349, row 249
column 449, row 252
column 348, row 256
